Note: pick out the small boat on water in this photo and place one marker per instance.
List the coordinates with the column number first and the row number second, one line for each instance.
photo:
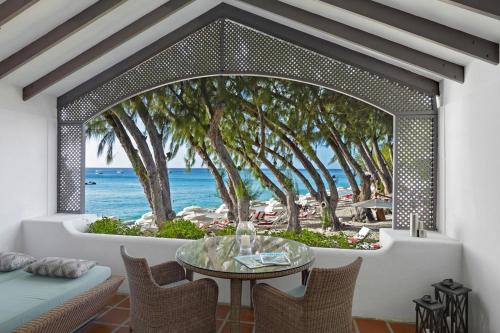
column 90, row 183
column 98, row 172
column 119, row 172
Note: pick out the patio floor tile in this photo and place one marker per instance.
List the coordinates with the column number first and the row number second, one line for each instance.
column 222, row 311
column 372, row 326
column 402, row 328
column 124, row 304
column 246, row 314
column 114, row 319
column 114, row 316
column 97, row 328
column 117, row 299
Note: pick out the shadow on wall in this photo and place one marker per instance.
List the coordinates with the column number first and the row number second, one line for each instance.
column 478, row 315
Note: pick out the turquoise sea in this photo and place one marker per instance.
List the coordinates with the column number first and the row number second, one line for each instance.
column 118, row 192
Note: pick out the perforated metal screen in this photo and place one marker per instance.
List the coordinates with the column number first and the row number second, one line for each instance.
column 227, row 47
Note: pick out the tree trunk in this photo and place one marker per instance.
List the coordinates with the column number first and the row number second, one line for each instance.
column 289, row 165
column 286, row 183
column 225, row 159
column 219, row 181
column 266, row 181
column 131, row 152
column 386, row 173
column 367, row 160
column 159, row 211
column 322, row 195
column 365, row 191
column 234, row 198
column 159, row 154
column 346, row 168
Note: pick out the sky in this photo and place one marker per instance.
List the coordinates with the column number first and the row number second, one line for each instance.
column 121, row 161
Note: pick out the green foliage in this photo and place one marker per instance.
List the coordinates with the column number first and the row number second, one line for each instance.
column 228, row 230
column 182, row 229
column 307, row 237
column 113, row 226
column 326, row 218
column 316, row 239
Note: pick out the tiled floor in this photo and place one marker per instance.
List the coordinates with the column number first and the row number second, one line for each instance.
column 114, row 319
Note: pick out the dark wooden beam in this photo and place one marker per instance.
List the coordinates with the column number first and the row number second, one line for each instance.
column 485, row 7
column 458, row 40
column 11, row 8
column 103, row 47
column 267, row 26
column 57, row 35
column 438, row 66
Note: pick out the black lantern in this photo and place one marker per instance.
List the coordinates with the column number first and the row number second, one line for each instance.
column 430, row 315
column 455, row 297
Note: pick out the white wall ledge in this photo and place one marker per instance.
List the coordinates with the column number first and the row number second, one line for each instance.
column 403, row 269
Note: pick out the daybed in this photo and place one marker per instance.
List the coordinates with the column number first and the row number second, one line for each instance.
column 32, row 304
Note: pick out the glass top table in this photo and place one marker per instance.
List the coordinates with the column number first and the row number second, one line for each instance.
column 214, row 256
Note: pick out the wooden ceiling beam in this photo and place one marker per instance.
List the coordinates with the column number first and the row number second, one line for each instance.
column 485, row 7
column 103, row 47
column 11, row 8
column 57, row 35
column 457, row 40
column 441, row 67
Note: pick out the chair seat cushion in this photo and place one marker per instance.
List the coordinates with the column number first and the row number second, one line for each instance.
column 27, row 296
column 176, row 284
column 297, row 292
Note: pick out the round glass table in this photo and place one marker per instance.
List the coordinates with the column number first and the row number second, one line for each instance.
column 214, row 256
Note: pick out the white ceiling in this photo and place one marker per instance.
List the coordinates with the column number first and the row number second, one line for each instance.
column 47, row 14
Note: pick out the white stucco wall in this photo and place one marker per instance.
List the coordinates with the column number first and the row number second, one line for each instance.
column 471, row 155
column 27, row 161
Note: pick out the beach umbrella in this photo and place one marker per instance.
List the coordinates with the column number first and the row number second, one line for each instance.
column 374, row 204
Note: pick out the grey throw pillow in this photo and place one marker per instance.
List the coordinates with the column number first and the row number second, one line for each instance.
column 60, row 267
column 10, row 261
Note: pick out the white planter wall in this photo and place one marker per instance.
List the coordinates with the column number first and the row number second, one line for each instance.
column 389, row 279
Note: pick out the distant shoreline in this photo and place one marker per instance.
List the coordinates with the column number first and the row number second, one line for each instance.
column 118, row 192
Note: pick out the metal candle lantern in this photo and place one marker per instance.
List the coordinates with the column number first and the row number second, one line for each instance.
column 429, row 315
column 456, row 299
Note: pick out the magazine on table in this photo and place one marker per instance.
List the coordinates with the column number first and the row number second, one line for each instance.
column 275, row 258
column 264, row 260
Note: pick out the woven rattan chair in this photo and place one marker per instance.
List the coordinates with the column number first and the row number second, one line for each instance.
column 161, row 300
column 324, row 306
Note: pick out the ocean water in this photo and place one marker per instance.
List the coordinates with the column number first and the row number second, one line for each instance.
column 118, row 191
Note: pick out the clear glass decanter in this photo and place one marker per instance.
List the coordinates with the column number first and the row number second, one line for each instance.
column 245, row 236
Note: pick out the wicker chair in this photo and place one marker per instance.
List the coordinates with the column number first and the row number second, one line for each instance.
column 161, row 300
column 325, row 306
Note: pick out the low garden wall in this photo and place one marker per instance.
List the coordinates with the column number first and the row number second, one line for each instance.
column 403, row 269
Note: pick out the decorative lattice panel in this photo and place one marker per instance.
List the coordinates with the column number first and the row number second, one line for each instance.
column 415, row 172
column 196, row 55
column 227, row 47
column 249, row 51
column 70, row 168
